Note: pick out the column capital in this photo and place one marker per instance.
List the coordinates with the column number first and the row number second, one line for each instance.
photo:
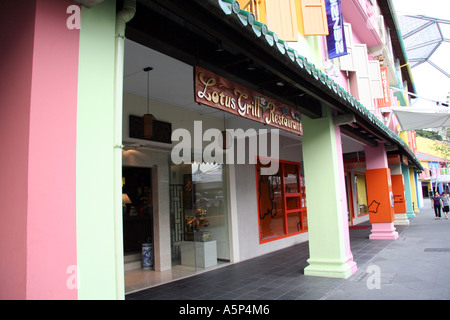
column 376, row 157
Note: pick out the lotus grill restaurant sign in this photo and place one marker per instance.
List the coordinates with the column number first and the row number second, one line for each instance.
column 217, row 92
column 336, row 37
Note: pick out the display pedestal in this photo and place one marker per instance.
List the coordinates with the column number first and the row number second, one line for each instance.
column 205, row 253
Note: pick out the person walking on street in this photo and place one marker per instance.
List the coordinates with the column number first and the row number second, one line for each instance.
column 436, row 203
column 445, row 204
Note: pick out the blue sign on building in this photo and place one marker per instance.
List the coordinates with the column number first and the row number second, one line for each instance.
column 336, row 37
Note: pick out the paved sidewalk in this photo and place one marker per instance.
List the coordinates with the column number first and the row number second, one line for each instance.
column 416, row 266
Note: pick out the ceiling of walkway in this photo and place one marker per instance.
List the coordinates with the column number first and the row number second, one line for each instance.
column 171, row 81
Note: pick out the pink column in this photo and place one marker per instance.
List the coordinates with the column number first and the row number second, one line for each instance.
column 376, row 157
column 38, row 120
column 378, row 180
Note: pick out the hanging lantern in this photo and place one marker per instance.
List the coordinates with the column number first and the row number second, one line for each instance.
column 148, row 126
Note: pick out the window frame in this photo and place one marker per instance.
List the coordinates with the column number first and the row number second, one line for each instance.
column 287, row 19
column 300, row 196
column 307, row 12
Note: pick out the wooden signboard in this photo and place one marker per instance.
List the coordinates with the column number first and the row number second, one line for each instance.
column 218, row 92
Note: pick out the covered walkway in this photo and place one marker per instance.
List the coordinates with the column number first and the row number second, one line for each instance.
column 414, row 267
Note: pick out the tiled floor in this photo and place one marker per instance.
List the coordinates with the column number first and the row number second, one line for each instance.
column 256, row 277
column 139, row 279
column 277, row 275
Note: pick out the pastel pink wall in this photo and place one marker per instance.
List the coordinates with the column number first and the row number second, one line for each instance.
column 52, row 154
column 361, row 14
column 38, row 218
column 341, row 77
column 376, row 157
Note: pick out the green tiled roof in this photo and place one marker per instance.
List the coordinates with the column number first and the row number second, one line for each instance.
column 321, row 80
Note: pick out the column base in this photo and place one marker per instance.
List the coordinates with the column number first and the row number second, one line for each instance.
column 401, row 219
column 383, row 231
column 410, row 214
column 330, row 269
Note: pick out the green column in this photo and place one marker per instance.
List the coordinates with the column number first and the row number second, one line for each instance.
column 330, row 254
column 408, row 194
column 98, row 252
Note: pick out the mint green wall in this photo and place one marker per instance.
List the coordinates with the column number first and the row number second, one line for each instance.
column 329, row 256
column 309, row 48
column 100, row 276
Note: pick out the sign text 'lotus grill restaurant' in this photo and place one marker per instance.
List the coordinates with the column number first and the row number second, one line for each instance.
column 218, row 92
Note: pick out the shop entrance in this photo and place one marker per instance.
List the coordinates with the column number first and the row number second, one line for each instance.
column 175, row 207
column 137, row 209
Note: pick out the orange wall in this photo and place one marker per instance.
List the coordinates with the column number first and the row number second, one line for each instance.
column 398, row 189
column 379, row 193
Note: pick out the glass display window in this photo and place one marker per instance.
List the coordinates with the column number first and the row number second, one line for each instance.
column 198, row 215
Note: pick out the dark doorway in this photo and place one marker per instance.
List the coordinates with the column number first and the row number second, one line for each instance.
column 137, row 208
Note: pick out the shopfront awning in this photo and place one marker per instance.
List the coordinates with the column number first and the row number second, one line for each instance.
column 443, row 178
column 422, row 116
